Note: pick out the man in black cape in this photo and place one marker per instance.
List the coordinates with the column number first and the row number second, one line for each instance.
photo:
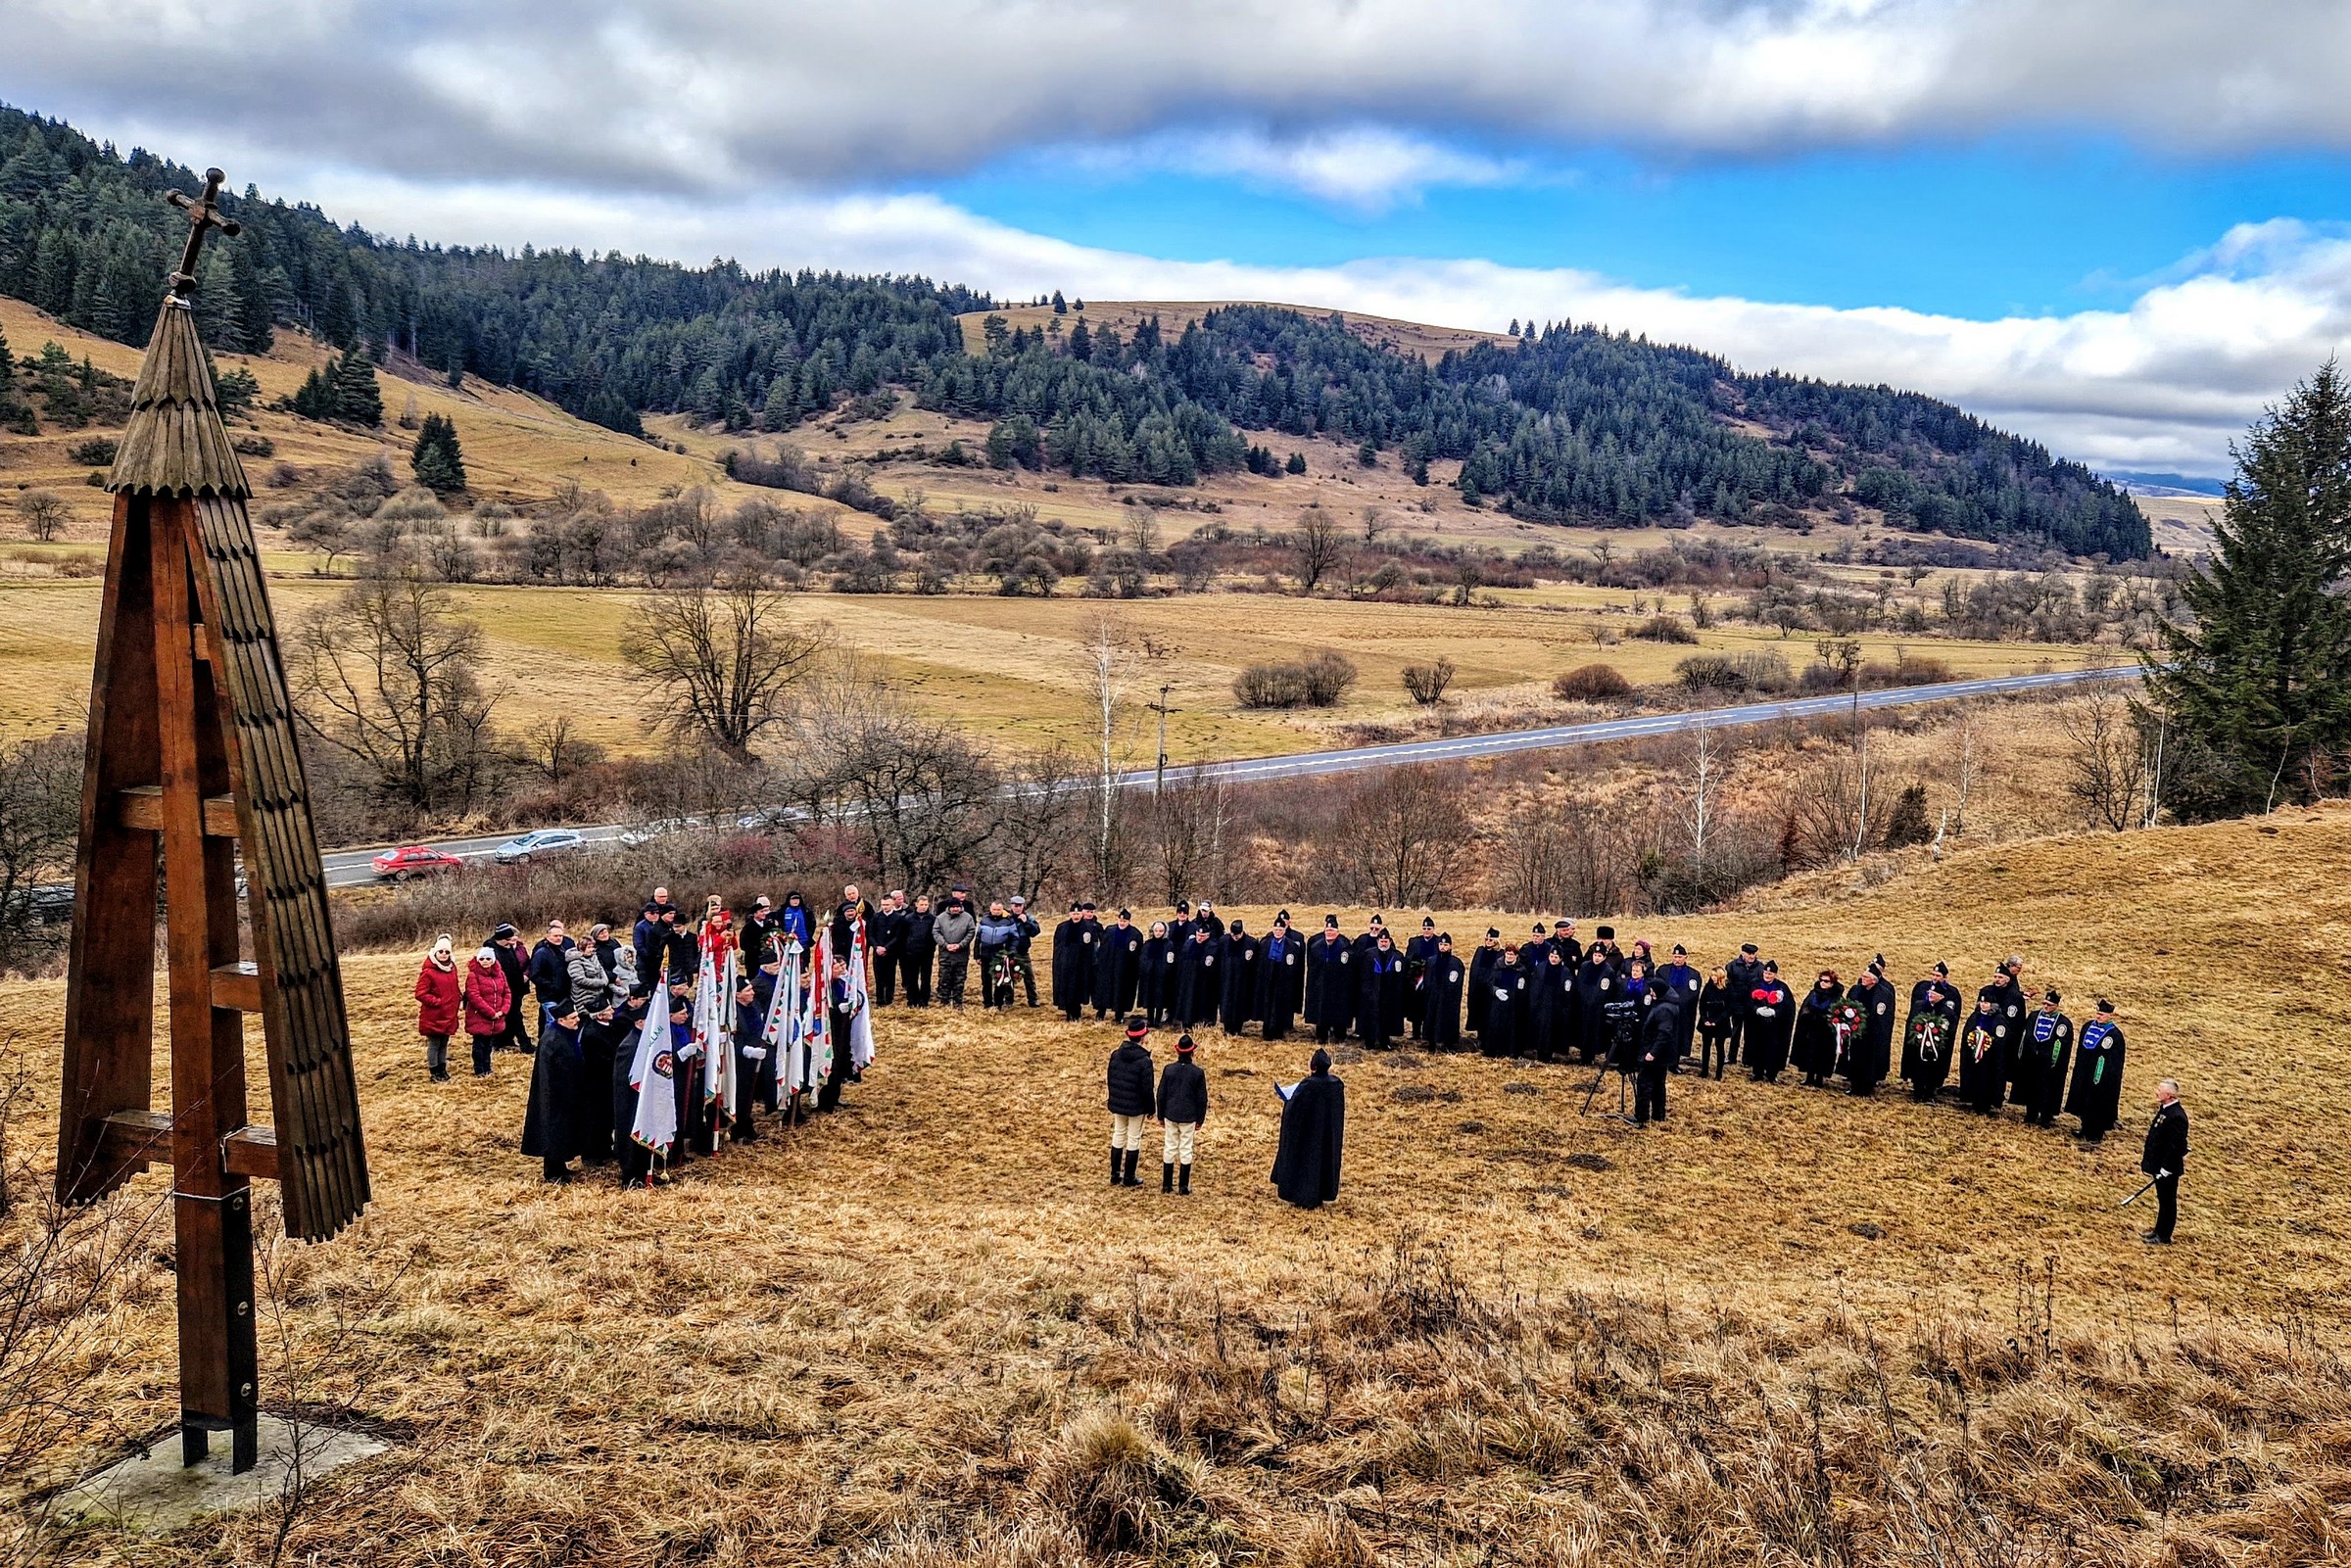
column 1154, row 988
column 1330, row 983
column 1770, row 1021
column 1416, row 956
column 1984, row 1054
column 2042, row 1056
column 1743, row 973
column 1117, row 966
column 1598, row 980
column 1481, row 965
column 1073, row 962
column 635, row 1161
column 1200, row 977
column 1505, row 1023
column 1550, row 1001
column 1870, row 1051
column 1441, row 983
column 1282, row 976
column 2096, row 1094
column 1314, row 1135
column 551, row 1122
column 1680, row 979
column 1660, row 1040
column 1240, row 977
column 1379, row 1009
column 1931, row 1033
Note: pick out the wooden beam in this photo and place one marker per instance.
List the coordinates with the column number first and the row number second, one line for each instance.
column 251, row 1152
column 141, row 807
column 238, row 987
column 130, row 1141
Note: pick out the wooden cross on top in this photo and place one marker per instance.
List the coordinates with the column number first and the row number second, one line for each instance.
column 204, row 212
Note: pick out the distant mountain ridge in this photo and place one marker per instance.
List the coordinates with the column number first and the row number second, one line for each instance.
column 1573, row 423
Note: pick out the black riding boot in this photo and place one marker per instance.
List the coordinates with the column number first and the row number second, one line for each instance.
column 1183, row 1180
column 1134, row 1157
column 1115, row 1158
column 1167, row 1176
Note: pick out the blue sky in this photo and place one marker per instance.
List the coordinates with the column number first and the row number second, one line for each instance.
column 2120, row 226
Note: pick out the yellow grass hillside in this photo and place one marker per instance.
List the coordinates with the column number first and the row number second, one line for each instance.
column 1789, row 1326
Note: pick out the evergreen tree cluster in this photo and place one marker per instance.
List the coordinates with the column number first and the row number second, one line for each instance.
column 436, row 461
column 343, row 388
column 1572, row 423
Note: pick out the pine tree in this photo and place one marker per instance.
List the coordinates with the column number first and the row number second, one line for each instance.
column 1296, row 465
column 2255, row 690
column 357, row 398
column 439, row 464
column 316, row 398
column 1061, row 307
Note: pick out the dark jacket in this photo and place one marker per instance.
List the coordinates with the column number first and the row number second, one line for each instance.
column 1131, row 1079
column 1182, row 1093
column 2167, row 1141
column 551, row 972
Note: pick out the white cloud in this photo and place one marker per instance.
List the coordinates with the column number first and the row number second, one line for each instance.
column 2165, row 384
column 1366, row 167
column 718, row 94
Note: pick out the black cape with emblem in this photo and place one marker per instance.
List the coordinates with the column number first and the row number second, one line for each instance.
column 554, row 1126
column 1200, row 977
column 1314, row 1135
column 1814, row 1050
column 2096, row 1094
column 1240, row 980
column 1984, row 1054
column 1074, row 943
column 1329, row 984
column 1118, row 967
column 1506, row 1011
column 1481, row 965
column 1870, row 1051
column 1379, row 1007
column 2043, row 1054
column 1280, row 981
column 1929, row 1037
column 1441, row 985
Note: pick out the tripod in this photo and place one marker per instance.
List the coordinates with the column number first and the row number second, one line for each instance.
column 1625, row 1079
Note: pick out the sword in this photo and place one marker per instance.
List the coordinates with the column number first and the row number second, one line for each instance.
column 2143, row 1191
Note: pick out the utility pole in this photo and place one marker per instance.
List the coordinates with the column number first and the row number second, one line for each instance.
column 1159, row 774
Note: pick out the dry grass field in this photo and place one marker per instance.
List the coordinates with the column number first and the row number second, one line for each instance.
column 1788, row 1327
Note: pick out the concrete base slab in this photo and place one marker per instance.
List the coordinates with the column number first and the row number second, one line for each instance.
column 154, row 1493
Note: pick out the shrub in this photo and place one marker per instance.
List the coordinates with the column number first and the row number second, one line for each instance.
column 1759, row 671
column 255, row 447
column 1270, row 686
column 1592, row 683
column 1426, row 682
column 96, row 453
column 1327, row 678
column 1665, row 629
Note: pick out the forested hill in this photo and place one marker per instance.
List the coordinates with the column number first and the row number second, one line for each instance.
column 1571, row 423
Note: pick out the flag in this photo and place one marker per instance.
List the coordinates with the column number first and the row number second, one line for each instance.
column 713, row 1015
column 656, row 1125
column 786, row 1029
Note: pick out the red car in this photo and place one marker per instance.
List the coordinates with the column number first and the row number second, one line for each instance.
column 416, row 860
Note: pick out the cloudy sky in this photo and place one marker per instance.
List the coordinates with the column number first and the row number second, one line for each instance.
column 2119, row 226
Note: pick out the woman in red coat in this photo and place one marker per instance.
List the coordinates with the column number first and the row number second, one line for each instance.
column 440, row 997
column 486, row 1000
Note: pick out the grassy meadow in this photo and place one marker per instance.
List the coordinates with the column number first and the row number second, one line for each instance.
column 1788, row 1326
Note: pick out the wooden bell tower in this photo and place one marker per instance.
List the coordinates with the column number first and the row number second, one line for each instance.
column 192, row 766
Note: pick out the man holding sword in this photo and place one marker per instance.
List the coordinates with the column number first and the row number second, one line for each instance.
column 2164, row 1157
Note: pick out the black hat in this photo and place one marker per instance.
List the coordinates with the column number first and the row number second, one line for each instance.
column 1125, row 913
column 1538, row 928
column 1446, row 938
column 1607, row 933
column 1877, row 966
column 1137, row 1028
column 501, row 932
column 2052, row 997
column 1428, row 923
column 1492, row 934
column 1679, row 951
column 2105, row 1006
column 1282, row 918
column 1747, row 948
column 1942, row 969
column 1184, row 906
column 1320, row 1062
column 1331, row 921
column 1184, row 1046
column 1771, row 966
column 1376, row 921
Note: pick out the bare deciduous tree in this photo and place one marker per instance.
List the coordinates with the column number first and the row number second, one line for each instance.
column 40, row 816
column 1110, row 663
column 1426, row 684
column 1707, row 757
column 389, row 675
column 1043, row 810
column 2106, row 760
column 920, row 799
column 45, row 514
column 1316, row 546
column 1401, row 840
column 1188, row 824
column 1828, row 812
column 554, row 748
column 719, row 657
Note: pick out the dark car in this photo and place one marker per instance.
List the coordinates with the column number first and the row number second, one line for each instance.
column 414, row 860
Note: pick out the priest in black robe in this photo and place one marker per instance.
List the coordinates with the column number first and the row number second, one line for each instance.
column 2043, row 1052
column 1481, row 965
column 1280, row 978
column 1240, row 977
column 1314, row 1136
column 2096, row 1092
column 1155, row 987
column 1770, row 1020
column 1379, row 1006
column 1118, row 967
column 1440, row 981
column 1330, row 983
column 1073, row 962
column 1814, row 1050
column 1931, row 1033
column 1869, row 1053
column 1200, row 977
column 1550, row 1001
column 1984, row 1054
column 1505, row 1007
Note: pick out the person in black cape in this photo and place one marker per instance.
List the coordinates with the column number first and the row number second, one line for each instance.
column 1743, row 973
column 1200, row 977
column 1314, row 1135
column 1155, row 984
column 1770, row 1017
column 1481, row 965
column 1380, row 1010
column 1984, row 1055
column 2043, row 1054
column 1550, row 1001
column 2096, row 1094
column 1240, row 1002
column 1870, row 1050
column 1118, row 967
column 552, row 1123
column 1281, row 977
column 1416, row 956
column 1441, row 982
column 1931, row 1033
column 628, row 1017
column 1073, row 962
column 1660, row 1041
column 1330, row 985
column 1814, row 1051
column 1715, row 1011
column 1598, row 981
column 1506, row 1006
column 1680, row 978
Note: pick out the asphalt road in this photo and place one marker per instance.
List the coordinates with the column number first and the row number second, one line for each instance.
column 350, row 868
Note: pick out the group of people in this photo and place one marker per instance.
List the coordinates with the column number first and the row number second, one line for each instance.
column 650, row 1046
